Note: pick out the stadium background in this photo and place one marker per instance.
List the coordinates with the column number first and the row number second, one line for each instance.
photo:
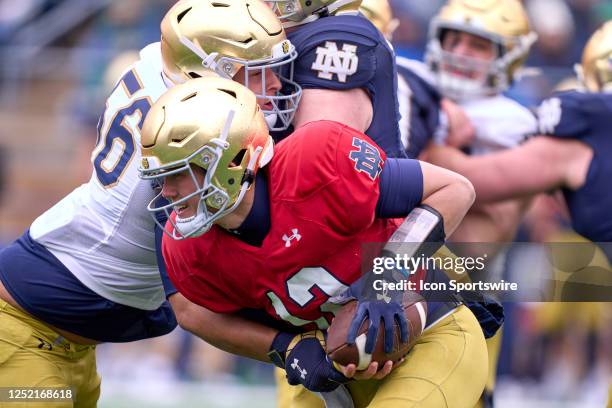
column 58, row 61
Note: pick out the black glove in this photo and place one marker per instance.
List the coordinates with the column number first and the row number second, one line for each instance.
column 307, row 363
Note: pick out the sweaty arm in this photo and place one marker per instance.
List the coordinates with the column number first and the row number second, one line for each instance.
column 351, row 107
column 542, row 164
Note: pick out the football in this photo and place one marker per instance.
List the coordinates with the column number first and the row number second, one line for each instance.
column 415, row 310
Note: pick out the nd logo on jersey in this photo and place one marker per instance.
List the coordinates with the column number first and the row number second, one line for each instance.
column 549, row 115
column 330, row 60
column 367, row 159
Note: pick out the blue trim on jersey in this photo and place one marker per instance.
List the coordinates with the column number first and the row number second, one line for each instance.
column 424, row 111
column 161, row 218
column 46, row 289
column 131, row 83
column 169, row 288
column 401, row 188
column 256, row 226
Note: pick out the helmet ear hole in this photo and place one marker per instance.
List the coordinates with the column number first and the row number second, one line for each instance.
column 182, row 15
column 237, row 159
column 191, row 95
column 229, row 92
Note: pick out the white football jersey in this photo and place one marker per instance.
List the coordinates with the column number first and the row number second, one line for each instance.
column 102, row 231
column 500, row 123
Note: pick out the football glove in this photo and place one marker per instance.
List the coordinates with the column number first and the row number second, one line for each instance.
column 306, row 362
column 377, row 311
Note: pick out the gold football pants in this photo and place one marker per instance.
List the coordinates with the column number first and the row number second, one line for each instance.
column 35, row 357
column 447, row 367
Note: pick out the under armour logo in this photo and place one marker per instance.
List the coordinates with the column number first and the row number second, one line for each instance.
column 383, row 296
column 295, row 366
column 295, row 235
column 332, row 61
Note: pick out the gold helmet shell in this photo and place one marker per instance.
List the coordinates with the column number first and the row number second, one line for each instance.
column 380, row 14
column 297, row 12
column 212, row 123
column 596, row 68
column 201, row 37
column 504, row 22
column 195, row 28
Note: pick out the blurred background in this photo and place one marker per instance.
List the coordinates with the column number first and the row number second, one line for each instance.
column 59, row 60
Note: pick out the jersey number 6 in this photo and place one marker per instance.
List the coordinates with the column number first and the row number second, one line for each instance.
column 116, row 145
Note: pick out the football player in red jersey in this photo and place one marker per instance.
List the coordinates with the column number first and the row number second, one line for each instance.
column 277, row 231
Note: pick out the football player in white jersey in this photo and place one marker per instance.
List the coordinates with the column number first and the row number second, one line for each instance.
column 86, row 271
column 475, row 51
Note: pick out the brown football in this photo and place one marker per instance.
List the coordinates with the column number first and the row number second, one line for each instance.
column 415, row 310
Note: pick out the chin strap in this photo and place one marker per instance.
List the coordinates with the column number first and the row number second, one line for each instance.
column 332, row 8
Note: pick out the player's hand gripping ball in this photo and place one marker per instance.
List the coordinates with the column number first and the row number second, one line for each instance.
column 342, row 352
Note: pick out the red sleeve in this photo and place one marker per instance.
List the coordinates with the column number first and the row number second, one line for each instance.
column 336, row 167
column 187, row 268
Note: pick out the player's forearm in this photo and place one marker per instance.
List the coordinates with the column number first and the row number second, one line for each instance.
column 227, row 332
column 449, row 193
column 495, row 222
column 486, row 177
column 496, row 179
column 537, row 166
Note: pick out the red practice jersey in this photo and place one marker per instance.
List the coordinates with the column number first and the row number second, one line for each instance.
column 323, row 187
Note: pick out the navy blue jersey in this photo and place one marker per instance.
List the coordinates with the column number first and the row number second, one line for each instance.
column 347, row 51
column 420, row 110
column 46, row 289
column 586, row 117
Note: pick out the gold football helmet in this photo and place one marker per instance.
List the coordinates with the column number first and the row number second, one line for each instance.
column 503, row 22
column 298, row 12
column 221, row 36
column 212, row 123
column 380, row 14
column 595, row 72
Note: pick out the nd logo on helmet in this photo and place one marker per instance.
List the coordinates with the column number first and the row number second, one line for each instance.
column 145, row 163
column 285, row 47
